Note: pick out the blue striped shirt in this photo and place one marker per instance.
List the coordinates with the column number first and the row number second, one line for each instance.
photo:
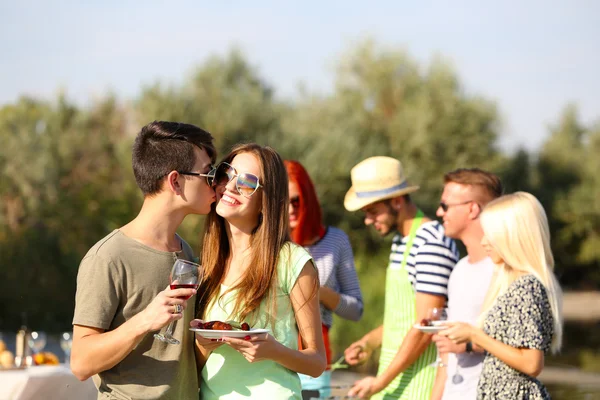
column 335, row 262
column 431, row 259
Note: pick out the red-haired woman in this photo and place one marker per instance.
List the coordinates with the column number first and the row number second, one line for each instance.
column 331, row 251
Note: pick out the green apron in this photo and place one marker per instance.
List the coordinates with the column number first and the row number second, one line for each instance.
column 416, row 381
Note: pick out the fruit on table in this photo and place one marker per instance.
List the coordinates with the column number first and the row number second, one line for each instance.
column 45, row 358
column 7, row 359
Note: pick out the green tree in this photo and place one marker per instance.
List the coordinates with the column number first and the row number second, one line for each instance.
column 569, row 189
column 385, row 103
column 63, row 189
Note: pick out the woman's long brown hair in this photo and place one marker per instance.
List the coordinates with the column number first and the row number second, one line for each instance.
column 268, row 238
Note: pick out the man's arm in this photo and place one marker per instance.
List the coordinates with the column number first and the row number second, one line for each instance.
column 96, row 350
column 359, row 351
column 415, row 342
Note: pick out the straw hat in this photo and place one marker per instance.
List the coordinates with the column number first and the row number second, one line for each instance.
column 375, row 179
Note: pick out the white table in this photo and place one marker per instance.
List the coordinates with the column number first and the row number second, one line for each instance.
column 45, row 382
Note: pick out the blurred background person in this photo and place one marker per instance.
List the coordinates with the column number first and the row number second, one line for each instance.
column 466, row 192
column 331, row 251
column 522, row 317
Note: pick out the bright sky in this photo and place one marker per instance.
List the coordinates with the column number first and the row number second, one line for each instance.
column 532, row 57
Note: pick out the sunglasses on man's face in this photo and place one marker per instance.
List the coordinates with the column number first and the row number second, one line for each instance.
column 446, row 206
column 210, row 176
column 246, row 183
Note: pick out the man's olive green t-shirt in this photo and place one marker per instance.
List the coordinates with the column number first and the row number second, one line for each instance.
column 117, row 279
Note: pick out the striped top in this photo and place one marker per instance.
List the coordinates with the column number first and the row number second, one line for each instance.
column 334, row 260
column 431, row 259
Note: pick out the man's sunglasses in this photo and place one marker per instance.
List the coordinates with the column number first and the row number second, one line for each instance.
column 446, row 206
column 246, row 183
column 209, row 177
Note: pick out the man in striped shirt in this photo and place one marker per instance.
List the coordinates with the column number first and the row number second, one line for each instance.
column 421, row 261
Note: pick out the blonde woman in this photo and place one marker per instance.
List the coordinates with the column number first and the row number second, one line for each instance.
column 521, row 318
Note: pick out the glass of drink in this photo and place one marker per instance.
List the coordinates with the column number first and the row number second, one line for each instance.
column 435, row 316
column 37, row 341
column 66, row 341
column 438, row 314
column 184, row 275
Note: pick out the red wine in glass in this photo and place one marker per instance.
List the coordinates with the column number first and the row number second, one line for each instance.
column 184, row 274
column 184, row 286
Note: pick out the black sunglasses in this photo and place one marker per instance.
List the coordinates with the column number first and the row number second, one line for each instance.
column 446, row 206
column 209, row 177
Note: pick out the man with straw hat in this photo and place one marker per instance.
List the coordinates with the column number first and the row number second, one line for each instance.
column 421, row 260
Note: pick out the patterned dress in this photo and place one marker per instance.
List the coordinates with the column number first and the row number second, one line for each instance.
column 521, row 317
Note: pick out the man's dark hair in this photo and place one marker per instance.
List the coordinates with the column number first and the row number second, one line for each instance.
column 162, row 147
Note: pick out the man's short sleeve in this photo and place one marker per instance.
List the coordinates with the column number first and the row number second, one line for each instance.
column 434, row 263
column 98, row 291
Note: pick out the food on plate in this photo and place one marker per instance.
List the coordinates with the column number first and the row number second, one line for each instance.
column 425, row 322
column 224, row 326
column 7, row 359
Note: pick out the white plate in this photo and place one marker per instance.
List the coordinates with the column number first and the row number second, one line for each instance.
column 430, row 329
column 214, row 334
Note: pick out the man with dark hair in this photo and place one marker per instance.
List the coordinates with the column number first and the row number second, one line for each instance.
column 421, row 261
column 121, row 299
column 466, row 192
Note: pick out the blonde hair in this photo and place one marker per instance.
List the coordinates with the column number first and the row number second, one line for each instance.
column 516, row 227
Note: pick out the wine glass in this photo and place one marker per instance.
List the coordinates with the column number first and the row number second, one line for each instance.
column 184, row 275
column 66, row 341
column 37, row 341
column 436, row 315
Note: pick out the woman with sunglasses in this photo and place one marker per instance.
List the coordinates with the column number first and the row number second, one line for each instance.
column 521, row 318
column 330, row 249
column 255, row 274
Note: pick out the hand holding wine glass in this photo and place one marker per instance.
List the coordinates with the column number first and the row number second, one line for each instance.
column 184, row 275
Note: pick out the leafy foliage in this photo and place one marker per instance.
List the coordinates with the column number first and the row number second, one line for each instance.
column 67, row 178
